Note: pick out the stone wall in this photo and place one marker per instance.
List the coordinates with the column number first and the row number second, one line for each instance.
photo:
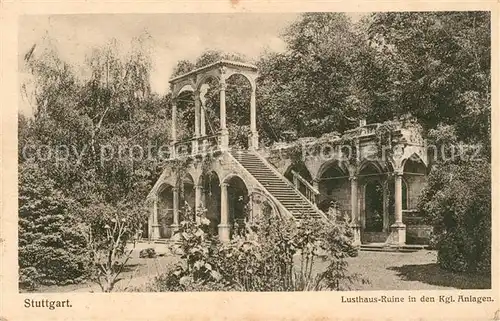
column 337, row 190
column 415, row 185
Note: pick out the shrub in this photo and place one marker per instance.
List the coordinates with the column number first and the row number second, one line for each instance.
column 457, row 202
column 149, row 253
column 51, row 245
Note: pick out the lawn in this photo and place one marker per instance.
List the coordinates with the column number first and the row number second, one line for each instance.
column 384, row 270
column 411, row 271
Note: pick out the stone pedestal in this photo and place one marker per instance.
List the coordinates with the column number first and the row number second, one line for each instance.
column 155, row 227
column 224, row 232
column 155, row 232
column 253, row 141
column 398, row 234
column 224, row 227
column 356, row 230
column 224, row 139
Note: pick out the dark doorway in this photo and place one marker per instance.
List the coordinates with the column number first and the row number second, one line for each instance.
column 374, row 207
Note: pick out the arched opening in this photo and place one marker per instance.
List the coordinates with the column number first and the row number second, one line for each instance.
column 261, row 206
column 374, row 200
column 238, row 204
column 334, row 187
column 211, row 199
column 414, row 180
column 185, row 116
column 414, row 174
column 301, row 169
column 165, row 210
column 187, row 198
column 238, row 94
column 210, row 106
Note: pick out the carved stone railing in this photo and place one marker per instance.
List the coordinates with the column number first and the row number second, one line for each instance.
column 311, row 193
column 208, row 144
column 196, row 146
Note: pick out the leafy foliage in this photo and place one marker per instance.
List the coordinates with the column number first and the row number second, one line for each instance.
column 263, row 258
column 108, row 231
column 312, row 88
column 457, row 202
column 437, row 67
column 91, row 149
column 51, row 245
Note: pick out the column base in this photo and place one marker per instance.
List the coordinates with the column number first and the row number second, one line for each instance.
column 155, row 232
column 224, row 232
column 356, row 229
column 194, row 147
column 173, row 151
column 224, row 139
column 398, row 234
column 253, row 141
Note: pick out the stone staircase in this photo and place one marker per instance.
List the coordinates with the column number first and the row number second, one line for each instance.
column 277, row 185
column 383, row 247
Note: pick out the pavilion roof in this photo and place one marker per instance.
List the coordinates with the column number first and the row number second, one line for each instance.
column 220, row 63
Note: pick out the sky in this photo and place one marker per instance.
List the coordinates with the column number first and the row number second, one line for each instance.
column 173, row 36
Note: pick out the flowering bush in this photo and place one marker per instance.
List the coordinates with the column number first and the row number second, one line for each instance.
column 264, row 258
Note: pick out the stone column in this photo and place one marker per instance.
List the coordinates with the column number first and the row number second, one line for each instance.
column 175, row 192
column 354, row 210
column 173, row 153
column 385, row 200
column 224, row 228
column 254, row 139
column 198, row 201
column 203, row 130
column 398, row 229
column 197, row 108
column 155, row 227
column 223, row 129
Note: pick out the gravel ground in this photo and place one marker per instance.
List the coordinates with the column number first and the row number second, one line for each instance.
column 384, row 271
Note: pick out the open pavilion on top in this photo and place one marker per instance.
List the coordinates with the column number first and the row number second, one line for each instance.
column 235, row 186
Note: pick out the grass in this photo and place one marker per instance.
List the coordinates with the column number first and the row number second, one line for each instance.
column 411, row 271
column 384, row 270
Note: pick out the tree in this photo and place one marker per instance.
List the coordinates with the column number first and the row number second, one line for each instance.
column 435, row 66
column 108, row 231
column 313, row 88
column 100, row 132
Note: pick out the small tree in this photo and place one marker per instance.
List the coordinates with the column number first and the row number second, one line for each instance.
column 109, row 230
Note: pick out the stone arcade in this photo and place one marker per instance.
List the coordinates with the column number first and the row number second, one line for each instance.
column 377, row 189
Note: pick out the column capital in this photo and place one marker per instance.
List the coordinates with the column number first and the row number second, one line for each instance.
column 175, row 189
column 398, row 173
column 224, row 184
column 353, row 178
column 222, row 86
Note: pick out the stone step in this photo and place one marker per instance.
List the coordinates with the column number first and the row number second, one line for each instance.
column 276, row 185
